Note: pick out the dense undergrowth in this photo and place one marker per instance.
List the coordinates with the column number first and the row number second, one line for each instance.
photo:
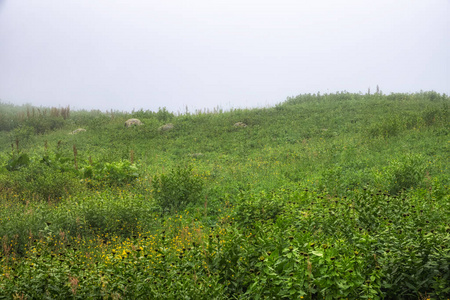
column 320, row 197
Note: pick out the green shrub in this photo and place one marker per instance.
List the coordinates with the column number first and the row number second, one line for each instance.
column 108, row 214
column 386, row 128
column 22, row 133
column 46, row 184
column 112, row 174
column 38, row 181
column 58, row 161
column 17, row 162
column 177, row 189
column 406, row 172
column 43, row 124
column 164, row 115
column 419, row 265
column 432, row 116
column 258, row 207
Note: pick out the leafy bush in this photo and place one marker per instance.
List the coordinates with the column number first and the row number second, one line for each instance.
column 22, row 133
column 259, row 207
column 386, row 128
column 417, row 265
column 58, row 161
column 406, row 172
column 17, row 162
column 40, row 182
column 109, row 214
column 441, row 115
column 177, row 189
column 43, row 124
column 112, row 174
column 164, row 115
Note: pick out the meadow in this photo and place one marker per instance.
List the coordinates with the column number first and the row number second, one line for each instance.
column 334, row 196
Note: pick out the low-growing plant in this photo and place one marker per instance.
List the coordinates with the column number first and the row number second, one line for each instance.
column 58, row 161
column 17, row 161
column 406, row 172
column 386, row 128
column 22, row 133
column 260, row 207
column 112, row 174
column 175, row 190
column 40, row 182
column 42, row 124
column 432, row 116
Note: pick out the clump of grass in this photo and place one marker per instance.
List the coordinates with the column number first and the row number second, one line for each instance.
column 177, row 189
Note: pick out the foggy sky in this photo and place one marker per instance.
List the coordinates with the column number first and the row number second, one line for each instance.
column 134, row 54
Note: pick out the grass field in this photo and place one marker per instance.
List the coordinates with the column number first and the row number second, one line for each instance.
column 335, row 196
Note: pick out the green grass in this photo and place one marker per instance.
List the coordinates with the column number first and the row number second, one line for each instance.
column 320, row 197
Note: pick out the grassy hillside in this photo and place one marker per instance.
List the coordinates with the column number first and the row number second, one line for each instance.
column 322, row 196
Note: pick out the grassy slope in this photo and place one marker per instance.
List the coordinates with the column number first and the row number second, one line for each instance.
column 330, row 144
column 298, row 140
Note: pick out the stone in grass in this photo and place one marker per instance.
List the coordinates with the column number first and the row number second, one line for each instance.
column 166, row 127
column 76, row 131
column 240, row 124
column 133, row 122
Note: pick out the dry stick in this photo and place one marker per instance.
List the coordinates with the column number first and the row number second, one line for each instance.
column 75, row 156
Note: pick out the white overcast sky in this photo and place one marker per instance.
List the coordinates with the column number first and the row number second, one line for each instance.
column 124, row 55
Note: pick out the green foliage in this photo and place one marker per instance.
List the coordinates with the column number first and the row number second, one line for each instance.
column 416, row 265
column 329, row 196
column 112, row 174
column 388, row 127
column 17, row 161
column 22, row 133
column 177, row 189
column 109, row 214
column 39, row 181
column 49, row 178
column 9, row 116
column 58, row 161
column 254, row 208
column 93, row 119
column 43, row 124
column 23, row 118
column 164, row 115
column 437, row 115
column 406, row 172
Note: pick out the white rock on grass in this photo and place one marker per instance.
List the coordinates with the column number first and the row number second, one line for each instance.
column 166, row 127
column 133, row 122
column 240, row 124
column 76, row 131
